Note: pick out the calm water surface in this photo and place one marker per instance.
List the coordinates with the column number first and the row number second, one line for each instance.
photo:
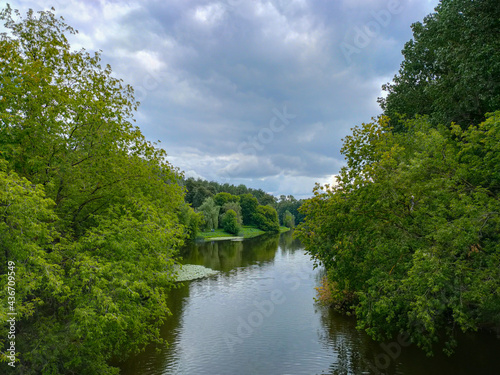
column 258, row 316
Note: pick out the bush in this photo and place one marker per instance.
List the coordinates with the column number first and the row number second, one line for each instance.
column 266, row 219
column 230, row 222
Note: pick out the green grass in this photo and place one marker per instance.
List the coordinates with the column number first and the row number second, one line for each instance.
column 216, row 233
column 247, row 232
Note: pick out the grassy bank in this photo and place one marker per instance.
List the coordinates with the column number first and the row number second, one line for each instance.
column 246, row 232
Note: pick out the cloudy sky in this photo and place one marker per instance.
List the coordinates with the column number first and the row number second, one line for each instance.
column 258, row 92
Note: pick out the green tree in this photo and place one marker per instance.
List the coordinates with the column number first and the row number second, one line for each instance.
column 230, row 222
column 235, row 206
column 249, row 206
column 26, row 232
column 289, row 203
column 210, row 213
column 410, row 234
column 288, row 219
column 222, row 198
column 95, row 249
column 264, row 198
column 201, row 193
column 451, row 66
column 266, row 218
column 191, row 220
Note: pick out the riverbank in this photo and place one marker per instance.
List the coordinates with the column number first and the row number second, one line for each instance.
column 246, row 232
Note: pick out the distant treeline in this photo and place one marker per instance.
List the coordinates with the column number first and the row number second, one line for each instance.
column 198, row 190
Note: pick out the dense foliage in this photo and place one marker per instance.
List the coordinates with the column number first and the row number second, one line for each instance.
column 288, row 219
column 197, row 190
column 411, row 231
column 210, row 212
column 292, row 205
column 89, row 210
column 249, row 206
column 451, row 67
column 233, row 206
column 266, row 218
column 230, row 222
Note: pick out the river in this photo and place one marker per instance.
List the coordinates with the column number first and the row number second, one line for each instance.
column 258, row 316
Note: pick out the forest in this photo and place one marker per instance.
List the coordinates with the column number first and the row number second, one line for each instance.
column 251, row 207
column 410, row 232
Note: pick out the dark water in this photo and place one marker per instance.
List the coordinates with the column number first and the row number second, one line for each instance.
column 258, row 316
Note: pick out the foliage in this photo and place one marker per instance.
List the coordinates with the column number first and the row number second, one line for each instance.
column 90, row 209
column 198, row 190
column 412, row 228
column 451, row 66
column 222, row 198
column 26, row 230
column 210, row 213
column 266, row 219
column 289, row 203
column 249, row 206
column 329, row 295
column 235, row 206
column 230, row 222
column 288, row 219
column 191, row 220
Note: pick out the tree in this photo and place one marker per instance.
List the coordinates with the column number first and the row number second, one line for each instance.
column 201, row 193
column 191, row 220
column 266, row 218
column 409, row 236
column 288, row 219
column 222, row 198
column 96, row 246
column 230, row 222
column 26, row 231
column 235, row 206
column 264, row 198
column 451, row 66
column 249, row 206
column 210, row 213
column 289, row 203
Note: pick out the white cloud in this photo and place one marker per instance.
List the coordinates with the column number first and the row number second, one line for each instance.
column 210, row 14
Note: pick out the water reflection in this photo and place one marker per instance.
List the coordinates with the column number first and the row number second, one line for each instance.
column 234, row 323
column 228, row 255
column 289, row 244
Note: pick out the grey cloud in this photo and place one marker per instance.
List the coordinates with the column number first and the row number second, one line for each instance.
column 210, row 73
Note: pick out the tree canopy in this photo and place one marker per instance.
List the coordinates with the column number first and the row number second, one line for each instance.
column 210, row 213
column 90, row 209
column 451, row 67
column 266, row 218
column 198, row 190
column 410, row 232
column 230, row 222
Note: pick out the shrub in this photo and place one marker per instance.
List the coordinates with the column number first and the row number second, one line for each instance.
column 230, row 222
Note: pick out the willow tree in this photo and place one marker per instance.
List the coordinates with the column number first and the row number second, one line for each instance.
column 210, row 212
column 66, row 127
